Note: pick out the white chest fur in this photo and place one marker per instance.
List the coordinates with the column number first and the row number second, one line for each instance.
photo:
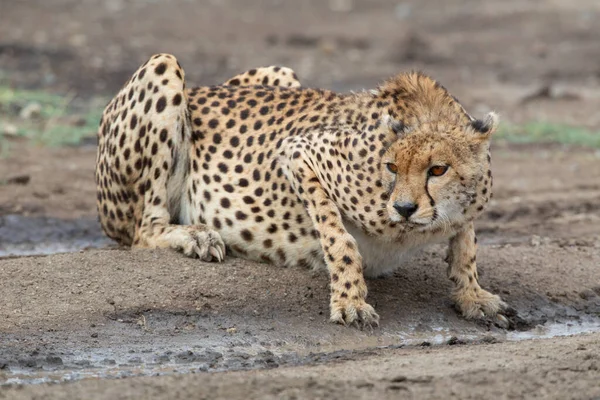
column 381, row 257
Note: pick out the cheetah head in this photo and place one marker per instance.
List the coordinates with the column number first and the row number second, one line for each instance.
column 437, row 174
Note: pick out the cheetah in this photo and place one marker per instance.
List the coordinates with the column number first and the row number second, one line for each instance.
column 267, row 170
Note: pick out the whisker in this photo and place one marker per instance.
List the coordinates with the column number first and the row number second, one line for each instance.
column 446, row 223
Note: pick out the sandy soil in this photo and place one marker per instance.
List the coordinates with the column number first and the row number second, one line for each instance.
column 120, row 313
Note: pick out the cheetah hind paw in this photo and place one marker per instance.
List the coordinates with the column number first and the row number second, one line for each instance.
column 204, row 244
column 357, row 313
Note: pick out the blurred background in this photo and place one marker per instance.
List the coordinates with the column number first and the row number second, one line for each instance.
column 528, row 59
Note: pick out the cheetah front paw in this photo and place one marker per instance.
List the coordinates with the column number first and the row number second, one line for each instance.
column 203, row 243
column 479, row 304
column 355, row 312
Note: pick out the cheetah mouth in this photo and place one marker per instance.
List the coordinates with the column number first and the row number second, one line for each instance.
column 422, row 221
column 411, row 225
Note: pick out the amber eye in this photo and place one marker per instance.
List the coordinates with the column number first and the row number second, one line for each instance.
column 392, row 168
column 437, row 170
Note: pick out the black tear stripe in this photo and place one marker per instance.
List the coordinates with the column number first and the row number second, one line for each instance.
column 391, row 188
column 431, row 201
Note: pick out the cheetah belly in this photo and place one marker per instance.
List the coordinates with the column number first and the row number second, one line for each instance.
column 381, row 258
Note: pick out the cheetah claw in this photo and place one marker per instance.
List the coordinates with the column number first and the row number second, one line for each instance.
column 358, row 314
column 502, row 321
column 209, row 246
column 486, row 306
column 214, row 253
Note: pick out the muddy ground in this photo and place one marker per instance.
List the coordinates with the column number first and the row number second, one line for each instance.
column 110, row 312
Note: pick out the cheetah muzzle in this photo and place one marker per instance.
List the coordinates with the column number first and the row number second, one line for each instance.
column 294, row 176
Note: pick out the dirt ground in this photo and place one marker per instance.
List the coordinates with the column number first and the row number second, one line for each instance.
column 247, row 330
column 561, row 369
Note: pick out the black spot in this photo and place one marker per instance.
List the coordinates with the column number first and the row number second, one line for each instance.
column 223, row 167
column 247, row 235
column 160, row 69
column 163, row 135
column 161, row 104
column 241, row 215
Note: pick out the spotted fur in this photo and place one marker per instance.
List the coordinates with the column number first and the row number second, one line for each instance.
column 266, row 76
column 296, row 176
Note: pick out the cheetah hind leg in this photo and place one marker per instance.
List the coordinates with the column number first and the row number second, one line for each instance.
column 267, row 76
column 146, row 127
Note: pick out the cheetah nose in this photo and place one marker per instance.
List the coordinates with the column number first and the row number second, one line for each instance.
column 405, row 209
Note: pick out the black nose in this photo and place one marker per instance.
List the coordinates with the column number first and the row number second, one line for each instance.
column 405, row 209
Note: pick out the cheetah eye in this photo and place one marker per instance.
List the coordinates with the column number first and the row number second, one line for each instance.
column 437, row 170
column 393, row 168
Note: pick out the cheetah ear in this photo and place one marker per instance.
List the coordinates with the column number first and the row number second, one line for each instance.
column 396, row 126
column 484, row 128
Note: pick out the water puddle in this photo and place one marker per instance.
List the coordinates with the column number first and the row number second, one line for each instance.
column 553, row 330
column 24, row 236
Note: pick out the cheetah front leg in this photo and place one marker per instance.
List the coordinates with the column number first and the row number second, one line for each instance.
column 348, row 287
column 471, row 300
